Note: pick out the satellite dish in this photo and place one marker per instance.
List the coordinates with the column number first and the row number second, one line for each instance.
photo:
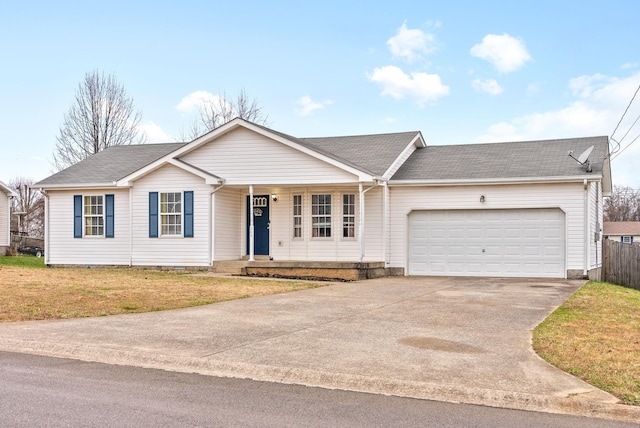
column 583, row 159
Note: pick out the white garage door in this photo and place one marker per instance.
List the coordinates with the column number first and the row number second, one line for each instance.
column 522, row 242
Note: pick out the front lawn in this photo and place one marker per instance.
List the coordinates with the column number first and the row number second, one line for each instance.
column 30, row 293
column 595, row 335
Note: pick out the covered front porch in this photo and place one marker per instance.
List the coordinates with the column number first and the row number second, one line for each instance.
column 319, row 231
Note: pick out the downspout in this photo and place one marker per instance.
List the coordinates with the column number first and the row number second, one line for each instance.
column 130, row 226
column 46, row 226
column 361, row 225
column 251, row 227
column 385, row 219
column 585, row 270
column 212, row 231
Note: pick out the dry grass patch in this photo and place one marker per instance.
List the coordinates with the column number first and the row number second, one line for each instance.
column 595, row 336
column 37, row 294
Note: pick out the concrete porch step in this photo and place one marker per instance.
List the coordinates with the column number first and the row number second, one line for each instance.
column 233, row 267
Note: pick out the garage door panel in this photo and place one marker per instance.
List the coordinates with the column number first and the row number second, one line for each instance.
column 520, row 242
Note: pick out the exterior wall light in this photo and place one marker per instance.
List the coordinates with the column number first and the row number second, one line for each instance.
column 274, row 197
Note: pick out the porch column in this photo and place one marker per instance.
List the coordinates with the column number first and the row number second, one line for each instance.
column 251, row 230
column 361, row 225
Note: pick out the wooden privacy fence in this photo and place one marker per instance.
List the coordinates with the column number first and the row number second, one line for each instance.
column 621, row 263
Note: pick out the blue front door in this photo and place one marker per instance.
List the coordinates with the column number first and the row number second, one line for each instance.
column 260, row 224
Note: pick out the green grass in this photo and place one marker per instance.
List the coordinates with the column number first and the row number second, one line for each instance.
column 22, row 260
column 595, row 335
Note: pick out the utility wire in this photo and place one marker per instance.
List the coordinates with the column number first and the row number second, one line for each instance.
column 625, row 111
column 625, row 148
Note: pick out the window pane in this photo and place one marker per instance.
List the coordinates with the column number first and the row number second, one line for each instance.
column 93, row 215
column 321, row 216
column 348, row 216
column 171, row 213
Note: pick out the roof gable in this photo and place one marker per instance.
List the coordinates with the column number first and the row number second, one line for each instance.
column 525, row 159
column 6, row 189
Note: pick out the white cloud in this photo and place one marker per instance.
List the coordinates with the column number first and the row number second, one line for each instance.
column 628, row 65
column 421, row 86
column 505, row 52
column 307, row 105
column 154, row 133
column 411, row 44
column 389, row 119
column 195, row 100
column 490, row 86
column 598, row 104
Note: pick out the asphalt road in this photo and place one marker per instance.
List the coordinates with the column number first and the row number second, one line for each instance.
column 54, row 392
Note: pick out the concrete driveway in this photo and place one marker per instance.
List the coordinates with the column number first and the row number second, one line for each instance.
column 451, row 339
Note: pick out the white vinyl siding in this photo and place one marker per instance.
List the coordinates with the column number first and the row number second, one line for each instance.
column 596, row 218
column 263, row 161
column 4, row 220
column 229, row 220
column 64, row 249
column 569, row 197
column 167, row 250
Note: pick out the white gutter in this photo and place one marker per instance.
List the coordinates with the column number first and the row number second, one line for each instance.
column 212, row 230
column 485, row 181
column 109, row 185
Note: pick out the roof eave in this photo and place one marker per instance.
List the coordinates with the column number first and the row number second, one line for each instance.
column 491, row 181
column 72, row 186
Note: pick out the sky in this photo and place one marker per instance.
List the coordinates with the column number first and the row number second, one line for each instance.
column 460, row 72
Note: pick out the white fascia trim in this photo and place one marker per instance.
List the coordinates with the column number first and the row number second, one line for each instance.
column 229, row 126
column 480, row 181
column 112, row 185
column 416, row 142
column 6, row 189
column 208, row 178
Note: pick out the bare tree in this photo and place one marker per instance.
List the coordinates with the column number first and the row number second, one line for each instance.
column 219, row 110
column 28, row 207
column 102, row 115
column 622, row 205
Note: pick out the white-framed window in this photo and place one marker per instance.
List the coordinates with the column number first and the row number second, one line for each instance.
column 321, row 216
column 93, row 214
column 349, row 215
column 297, row 216
column 627, row 239
column 171, row 213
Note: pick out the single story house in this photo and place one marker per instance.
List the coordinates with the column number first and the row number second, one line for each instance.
column 390, row 203
column 622, row 231
column 5, row 218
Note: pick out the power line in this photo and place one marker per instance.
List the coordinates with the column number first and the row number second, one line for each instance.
column 625, row 111
column 625, row 148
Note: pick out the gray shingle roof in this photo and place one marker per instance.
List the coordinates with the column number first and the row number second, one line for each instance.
column 375, row 153
column 110, row 164
column 547, row 158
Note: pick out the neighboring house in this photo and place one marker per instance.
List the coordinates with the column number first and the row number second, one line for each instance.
column 622, row 231
column 5, row 218
column 244, row 191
